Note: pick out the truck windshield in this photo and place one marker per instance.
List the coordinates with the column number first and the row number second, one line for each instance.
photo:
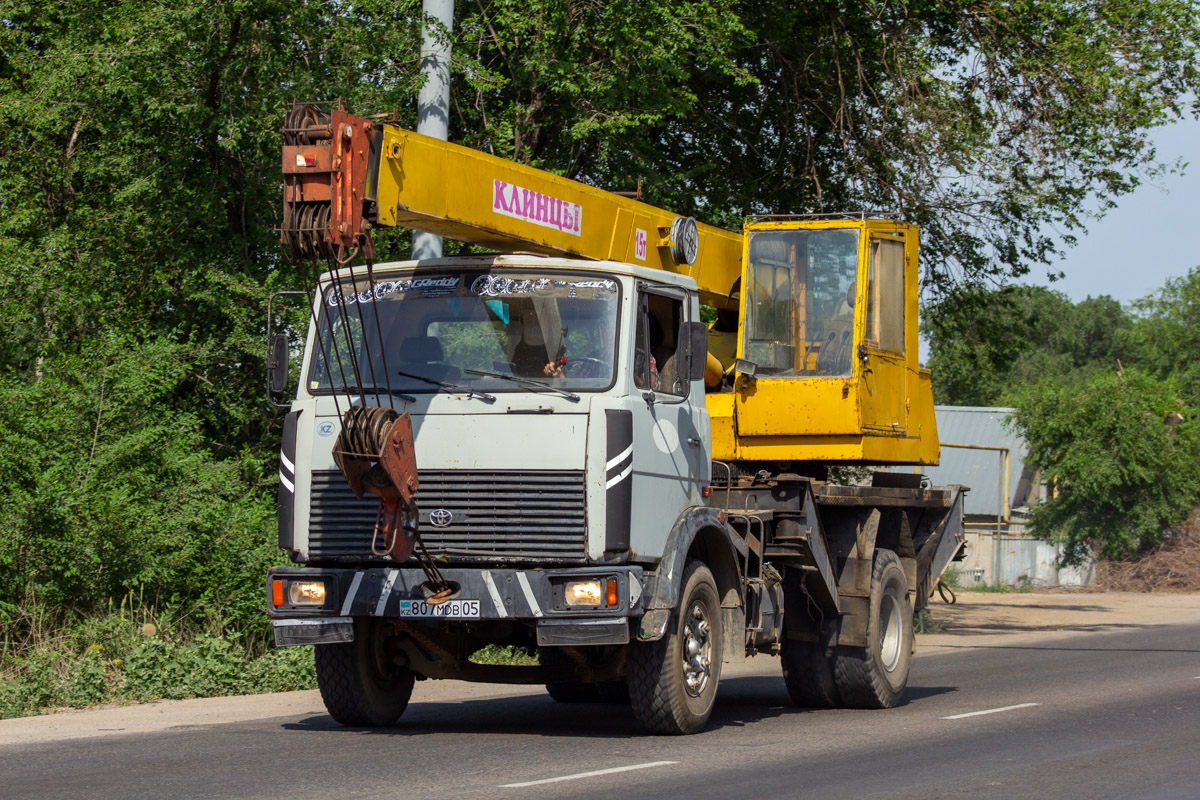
column 800, row 313
column 472, row 329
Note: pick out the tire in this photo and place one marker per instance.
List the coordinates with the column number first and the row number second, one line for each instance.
column 614, row 692
column 358, row 686
column 663, row 700
column 808, row 674
column 875, row 676
column 566, row 691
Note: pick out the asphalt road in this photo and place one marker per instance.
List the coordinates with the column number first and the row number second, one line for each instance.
column 1094, row 716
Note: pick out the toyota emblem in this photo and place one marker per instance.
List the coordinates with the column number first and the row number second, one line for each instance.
column 440, row 518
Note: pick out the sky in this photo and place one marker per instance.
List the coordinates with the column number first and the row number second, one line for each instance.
column 1150, row 236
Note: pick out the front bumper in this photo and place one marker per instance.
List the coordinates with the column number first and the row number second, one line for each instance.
column 533, row 595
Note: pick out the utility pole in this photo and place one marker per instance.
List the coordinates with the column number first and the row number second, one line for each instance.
column 433, row 102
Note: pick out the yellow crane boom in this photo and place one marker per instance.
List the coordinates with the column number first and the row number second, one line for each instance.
column 426, row 184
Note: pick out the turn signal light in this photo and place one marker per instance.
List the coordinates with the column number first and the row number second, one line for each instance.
column 277, row 593
column 612, row 591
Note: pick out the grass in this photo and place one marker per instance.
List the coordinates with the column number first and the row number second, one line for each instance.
column 924, row 622
column 497, row 655
column 133, row 656
column 954, row 580
column 998, row 588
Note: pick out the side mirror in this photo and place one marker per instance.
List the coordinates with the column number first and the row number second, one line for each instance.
column 278, row 351
column 747, row 373
column 277, row 365
column 695, row 335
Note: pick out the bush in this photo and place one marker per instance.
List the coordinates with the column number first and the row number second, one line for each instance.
column 108, row 488
column 1122, row 457
column 133, row 656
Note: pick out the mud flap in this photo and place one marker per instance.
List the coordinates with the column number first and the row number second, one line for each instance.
column 295, row 632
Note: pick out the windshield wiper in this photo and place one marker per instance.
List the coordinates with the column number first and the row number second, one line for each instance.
column 574, row 398
column 451, row 387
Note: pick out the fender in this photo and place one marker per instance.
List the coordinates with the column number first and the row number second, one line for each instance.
column 285, row 508
column 725, row 549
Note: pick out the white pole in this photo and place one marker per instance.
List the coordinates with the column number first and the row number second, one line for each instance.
column 433, row 102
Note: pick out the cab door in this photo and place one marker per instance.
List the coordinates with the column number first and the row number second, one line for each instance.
column 883, row 374
column 800, row 298
column 671, row 432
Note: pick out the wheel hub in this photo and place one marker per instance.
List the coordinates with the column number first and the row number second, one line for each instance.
column 697, row 650
column 890, row 627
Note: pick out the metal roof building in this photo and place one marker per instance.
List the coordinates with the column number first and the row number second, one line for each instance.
column 981, row 469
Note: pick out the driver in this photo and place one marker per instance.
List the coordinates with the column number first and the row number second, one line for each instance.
column 598, row 363
column 530, row 347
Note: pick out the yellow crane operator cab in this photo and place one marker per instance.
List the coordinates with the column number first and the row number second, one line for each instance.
column 826, row 348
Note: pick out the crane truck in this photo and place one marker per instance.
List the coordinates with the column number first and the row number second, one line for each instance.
column 547, row 448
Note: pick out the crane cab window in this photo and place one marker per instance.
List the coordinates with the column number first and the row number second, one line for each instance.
column 800, row 310
column 885, row 295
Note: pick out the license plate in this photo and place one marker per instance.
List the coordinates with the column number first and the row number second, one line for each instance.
column 454, row 609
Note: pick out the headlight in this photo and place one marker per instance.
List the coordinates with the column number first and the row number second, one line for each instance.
column 584, row 593
column 306, row 593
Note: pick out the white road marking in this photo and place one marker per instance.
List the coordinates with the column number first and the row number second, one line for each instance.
column 991, row 711
column 592, row 774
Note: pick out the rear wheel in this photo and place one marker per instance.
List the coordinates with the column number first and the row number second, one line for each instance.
column 875, row 676
column 673, row 682
column 808, row 674
column 360, row 685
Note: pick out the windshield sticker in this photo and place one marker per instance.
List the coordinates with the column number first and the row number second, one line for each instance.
column 540, row 209
column 500, row 285
column 429, row 287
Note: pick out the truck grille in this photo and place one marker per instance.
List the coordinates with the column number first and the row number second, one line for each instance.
column 496, row 516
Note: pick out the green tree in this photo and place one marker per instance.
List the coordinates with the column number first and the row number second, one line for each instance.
column 1168, row 332
column 107, row 489
column 1122, row 457
column 987, row 122
column 987, row 346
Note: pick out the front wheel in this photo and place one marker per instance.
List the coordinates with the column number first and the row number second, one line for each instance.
column 673, row 682
column 566, row 691
column 875, row 676
column 360, row 685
